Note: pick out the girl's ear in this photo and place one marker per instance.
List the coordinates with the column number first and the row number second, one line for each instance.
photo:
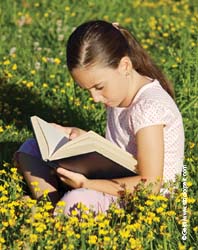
column 125, row 66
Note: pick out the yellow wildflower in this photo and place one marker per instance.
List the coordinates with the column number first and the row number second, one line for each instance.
column 6, row 62
column 8, row 74
column 195, row 229
column 61, row 204
column 145, row 46
column 45, row 192
column 128, row 20
column 68, row 84
column 103, row 232
column 189, row 183
column 5, row 223
column 38, row 216
column 44, row 59
column 33, row 238
column 67, row 8
column 106, row 17
column 58, row 225
column 92, row 239
column 74, row 212
column 150, row 235
column 40, row 227
column 193, row 44
column 149, row 203
column 30, row 84
column 124, row 233
column 171, row 213
column 37, row 189
column 163, row 229
column 45, row 85
column 135, row 244
column 12, row 222
column 107, row 239
column 191, row 145
column 34, row 183
column 3, row 198
column 36, row 4
column 73, row 220
column 165, row 34
column 159, row 210
column 191, row 200
column 14, row 67
column 57, row 61
column 2, row 240
column 156, row 219
column 181, row 246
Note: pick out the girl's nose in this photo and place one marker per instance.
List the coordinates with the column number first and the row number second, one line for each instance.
column 96, row 97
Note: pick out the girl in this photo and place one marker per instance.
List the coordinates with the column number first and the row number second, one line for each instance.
column 142, row 117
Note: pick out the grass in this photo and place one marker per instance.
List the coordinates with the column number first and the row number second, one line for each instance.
column 34, row 80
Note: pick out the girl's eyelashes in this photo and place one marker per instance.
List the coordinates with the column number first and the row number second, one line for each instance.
column 99, row 87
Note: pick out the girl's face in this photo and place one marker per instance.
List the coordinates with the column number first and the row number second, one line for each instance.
column 106, row 85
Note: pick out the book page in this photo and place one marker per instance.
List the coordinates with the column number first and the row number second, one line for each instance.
column 93, row 142
column 54, row 137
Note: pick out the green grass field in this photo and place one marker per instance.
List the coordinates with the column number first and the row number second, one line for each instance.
column 34, row 80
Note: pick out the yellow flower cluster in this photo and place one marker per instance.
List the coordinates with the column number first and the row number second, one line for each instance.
column 130, row 224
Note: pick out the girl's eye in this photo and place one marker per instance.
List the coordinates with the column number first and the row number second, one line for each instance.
column 99, row 88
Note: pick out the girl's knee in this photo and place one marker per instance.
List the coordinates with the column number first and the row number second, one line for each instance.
column 71, row 199
column 30, row 147
column 28, row 150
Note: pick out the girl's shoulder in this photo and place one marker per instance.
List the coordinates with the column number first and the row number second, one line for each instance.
column 152, row 96
column 153, row 105
column 152, row 91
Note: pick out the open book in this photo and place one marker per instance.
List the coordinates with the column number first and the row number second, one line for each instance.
column 89, row 154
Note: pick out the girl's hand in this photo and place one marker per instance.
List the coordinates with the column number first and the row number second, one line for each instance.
column 71, row 132
column 74, row 180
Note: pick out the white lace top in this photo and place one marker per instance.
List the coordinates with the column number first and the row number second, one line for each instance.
column 152, row 105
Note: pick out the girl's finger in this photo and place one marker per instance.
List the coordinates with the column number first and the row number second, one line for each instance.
column 63, row 171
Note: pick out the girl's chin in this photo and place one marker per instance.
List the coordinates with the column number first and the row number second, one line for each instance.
column 108, row 104
column 112, row 104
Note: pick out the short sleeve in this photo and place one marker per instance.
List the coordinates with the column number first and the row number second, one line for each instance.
column 148, row 113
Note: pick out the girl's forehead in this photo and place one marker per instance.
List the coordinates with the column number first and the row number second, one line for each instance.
column 96, row 69
column 86, row 77
column 89, row 72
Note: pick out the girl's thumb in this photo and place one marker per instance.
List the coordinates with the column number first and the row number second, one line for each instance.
column 73, row 135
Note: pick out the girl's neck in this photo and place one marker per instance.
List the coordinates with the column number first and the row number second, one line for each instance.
column 137, row 81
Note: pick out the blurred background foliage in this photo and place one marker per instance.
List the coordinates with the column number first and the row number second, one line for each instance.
column 34, row 79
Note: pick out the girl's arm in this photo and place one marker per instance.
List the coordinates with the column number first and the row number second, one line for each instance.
column 150, row 158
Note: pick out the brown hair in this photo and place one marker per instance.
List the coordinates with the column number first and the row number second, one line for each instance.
column 101, row 42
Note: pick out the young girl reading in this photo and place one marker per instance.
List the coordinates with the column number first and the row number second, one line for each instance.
column 142, row 117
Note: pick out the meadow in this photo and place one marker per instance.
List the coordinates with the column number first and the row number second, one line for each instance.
column 34, row 80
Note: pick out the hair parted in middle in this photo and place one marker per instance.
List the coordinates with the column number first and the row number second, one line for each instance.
column 102, row 43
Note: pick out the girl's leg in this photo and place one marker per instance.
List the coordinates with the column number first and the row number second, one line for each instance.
column 97, row 201
column 35, row 170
